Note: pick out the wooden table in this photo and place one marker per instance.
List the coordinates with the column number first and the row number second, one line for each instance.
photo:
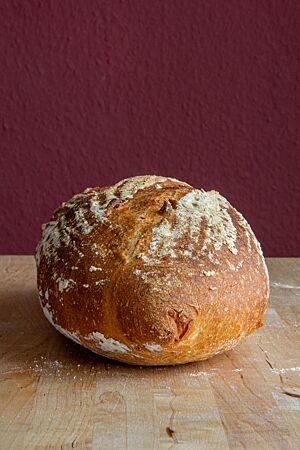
column 55, row 394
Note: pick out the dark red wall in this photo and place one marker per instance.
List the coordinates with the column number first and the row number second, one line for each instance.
column 205, row 91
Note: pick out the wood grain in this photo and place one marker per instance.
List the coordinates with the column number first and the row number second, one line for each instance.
column 56, row 395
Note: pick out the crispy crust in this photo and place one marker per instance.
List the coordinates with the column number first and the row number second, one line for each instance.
column 151, row 271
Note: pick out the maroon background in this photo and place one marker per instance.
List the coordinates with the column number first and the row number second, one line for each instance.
column 95, row 91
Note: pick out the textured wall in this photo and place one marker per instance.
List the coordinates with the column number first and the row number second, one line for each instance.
column 95, row 91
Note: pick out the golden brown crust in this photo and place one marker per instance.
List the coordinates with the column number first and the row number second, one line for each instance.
column 152, row 271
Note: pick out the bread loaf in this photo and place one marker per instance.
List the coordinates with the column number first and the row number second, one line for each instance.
column 151, row 271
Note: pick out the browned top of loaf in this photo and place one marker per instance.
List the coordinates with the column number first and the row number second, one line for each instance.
column 137, row 260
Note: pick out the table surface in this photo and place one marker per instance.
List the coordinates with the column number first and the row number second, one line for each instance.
column 55, row 394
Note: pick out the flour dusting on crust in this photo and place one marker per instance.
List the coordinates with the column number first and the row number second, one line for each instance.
column 69, row 334
column 107, row 344
column 65, row 284
column 54, row 234
column 124, row 190
column 103, row 343
column 95, row 269
column 82, row 222
column 194, row 208
column 147, row 239
column 153, row 347
column 58, row 231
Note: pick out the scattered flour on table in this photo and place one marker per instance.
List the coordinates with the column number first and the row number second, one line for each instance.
column 283, row 286
column 285, row 370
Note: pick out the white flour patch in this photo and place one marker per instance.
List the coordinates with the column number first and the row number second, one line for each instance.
column 284, row 286
column 52, row 364
column 286, row 402
column 153, row 347
column 154, row 277
column 69, row 334
column 64, row 284
column 237, row 267
column 48, row 314
column 192, row 210
column 123, row 191
column 202, row 374
column 82, row 222
column 209, row 273
column 54, row 234
column 57, row 231
column 231, row 266
column 137, row 272
column 285, row 370
column 212, row 372
column 213, row 258
column 107, row 344
column 94, row 269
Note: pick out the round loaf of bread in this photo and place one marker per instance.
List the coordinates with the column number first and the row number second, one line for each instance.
column 151, row 271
